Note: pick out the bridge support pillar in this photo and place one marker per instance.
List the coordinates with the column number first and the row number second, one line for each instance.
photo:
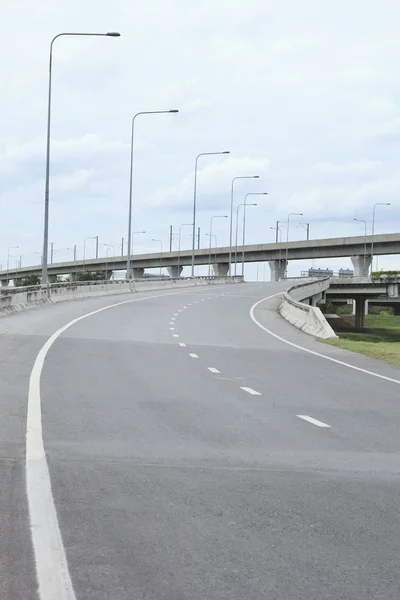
column 278, row 268
column 360, row 312
column 358, row 264
column 72, row 276
column 138, row 273
column 221, row 269
column 396, row 309
column 52, row 278
column 4, row 282
column 175, row 271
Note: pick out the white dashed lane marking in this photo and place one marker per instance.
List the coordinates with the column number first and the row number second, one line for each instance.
column 313, row 421
column 192, row 355
column 182, row 345
column 213, row 370
column 250, row 391
column 175, row 335
column 172, row 328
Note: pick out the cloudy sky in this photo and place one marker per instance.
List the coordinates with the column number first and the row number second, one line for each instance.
column 304, row 94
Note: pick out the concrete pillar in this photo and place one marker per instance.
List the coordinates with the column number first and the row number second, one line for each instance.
column 138, row 273
column 107, row 274
column 221, row 269
column 72, row 276
column 360, row 312
column 358, row 265
column 175, row 271
column 4, row 282
column 278, row 268
column 52, row 278
column 396, row 309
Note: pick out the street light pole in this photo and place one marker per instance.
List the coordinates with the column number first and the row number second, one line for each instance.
column 195, row 199
column 231, row 223
column 365, row 243
column 144, row 112
column 8, row 255
column 93, row 237
column 47, row 176
column 306, row 226
column 244, row 221
column 237, row 229
column 373, row 230
column 209, row 254
column 287, row 236
column 179, row 239
column 160, row 242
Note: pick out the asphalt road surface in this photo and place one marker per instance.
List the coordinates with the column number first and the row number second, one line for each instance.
column 193, row 455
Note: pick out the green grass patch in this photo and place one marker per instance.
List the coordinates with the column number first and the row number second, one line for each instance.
column 384, row 350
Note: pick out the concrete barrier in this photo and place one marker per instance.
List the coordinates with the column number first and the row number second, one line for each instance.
column 17, row 299
column 304, row 316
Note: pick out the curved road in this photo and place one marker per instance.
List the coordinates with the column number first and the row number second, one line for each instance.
column 194, row 455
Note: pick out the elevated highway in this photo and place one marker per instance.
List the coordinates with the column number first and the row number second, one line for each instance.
column 275, row 254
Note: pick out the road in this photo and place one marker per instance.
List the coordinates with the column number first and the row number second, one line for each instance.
column 193, row 455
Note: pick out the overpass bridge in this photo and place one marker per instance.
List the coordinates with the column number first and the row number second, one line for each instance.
column 275, row 253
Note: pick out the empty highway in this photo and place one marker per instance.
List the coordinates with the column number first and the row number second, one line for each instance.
column 198, row 447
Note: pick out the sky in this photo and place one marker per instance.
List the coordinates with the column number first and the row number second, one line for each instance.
column 304, row 94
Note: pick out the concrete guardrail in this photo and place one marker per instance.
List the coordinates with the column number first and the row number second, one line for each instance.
column 18, row 298
column 308, row 318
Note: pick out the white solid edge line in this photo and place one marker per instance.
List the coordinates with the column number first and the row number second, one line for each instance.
column 213, row 370
column 53, row 577
column 182, row 344
column 250, row 391
column 192, row 355
column 313, row 352
column 313, row 421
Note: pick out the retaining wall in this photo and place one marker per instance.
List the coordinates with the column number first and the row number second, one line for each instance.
column 308, row 318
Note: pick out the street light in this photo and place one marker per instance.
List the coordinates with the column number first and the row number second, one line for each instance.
column 373, row 229
column 93, row 237
column 194, row 198
column 237, row 228
column 144, row 112
column 365, row 243
column 9, row 255
column 287, row 236
column 209, row 254
column 160, row 242
column 47, row 177
column 108, row 246
column 231, row 223
column 306, row 226
column 244, row 221
column 216, row 242
column 179, row 239
column 278, row 231
column 73, row 250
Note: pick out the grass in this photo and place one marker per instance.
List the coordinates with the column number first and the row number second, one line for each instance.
column 378, row 345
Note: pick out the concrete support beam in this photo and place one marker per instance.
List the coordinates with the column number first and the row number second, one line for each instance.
column 175, row 271
column 278, row 268
column 360, row 312
column 361, row 265
column 138, row 273
column 221, row 269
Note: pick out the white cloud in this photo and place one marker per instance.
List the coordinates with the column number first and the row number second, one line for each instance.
column 311, row 85
column 214, row 179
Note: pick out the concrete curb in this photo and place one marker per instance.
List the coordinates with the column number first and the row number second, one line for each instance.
column 305, row 317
